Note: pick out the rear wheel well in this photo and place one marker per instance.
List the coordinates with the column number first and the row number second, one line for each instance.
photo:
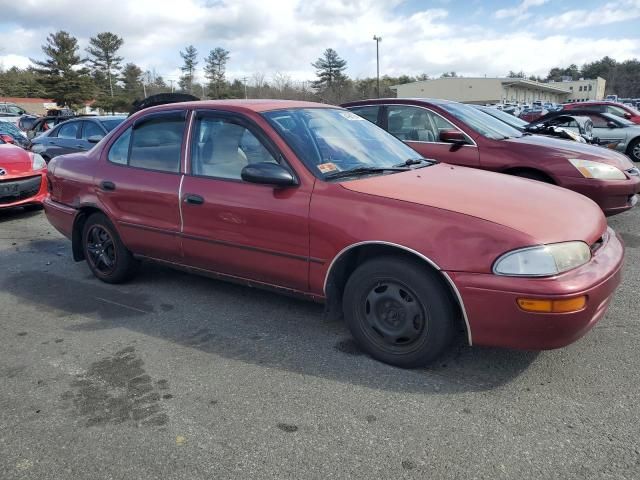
column 348, row 261
column 78, row 226
column 532, row 173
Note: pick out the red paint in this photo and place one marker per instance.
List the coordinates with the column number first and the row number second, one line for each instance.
column 546, row 155
column 462, row 220
column 17, row 164
column 631, row 114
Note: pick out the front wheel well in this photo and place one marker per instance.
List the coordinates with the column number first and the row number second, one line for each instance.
column 531, row 173
column 344, row 265
column 78, row 225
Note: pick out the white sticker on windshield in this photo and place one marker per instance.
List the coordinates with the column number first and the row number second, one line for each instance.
column 351, row 116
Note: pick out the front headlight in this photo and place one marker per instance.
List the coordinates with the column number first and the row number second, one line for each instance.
column 38, row 162
column 543, row 261
column 597, row 170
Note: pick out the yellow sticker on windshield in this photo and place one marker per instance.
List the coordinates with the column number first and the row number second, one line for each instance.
column 327, row 167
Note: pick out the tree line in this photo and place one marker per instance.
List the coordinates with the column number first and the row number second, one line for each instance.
column 99, row 74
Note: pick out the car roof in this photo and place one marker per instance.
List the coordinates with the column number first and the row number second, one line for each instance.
column 255, row 105
column 411, row 100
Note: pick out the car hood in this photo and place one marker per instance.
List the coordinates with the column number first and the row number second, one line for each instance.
column 565, row 149
column 545, row 213
column 14, row 161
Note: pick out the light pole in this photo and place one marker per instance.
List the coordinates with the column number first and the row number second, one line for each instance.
column 378, row 40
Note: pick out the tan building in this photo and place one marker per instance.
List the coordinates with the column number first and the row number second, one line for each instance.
column 34, row 106
column 583, row 89
column 486, row 90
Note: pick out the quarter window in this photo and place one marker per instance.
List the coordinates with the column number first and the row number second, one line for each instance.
column 68, row 130
column 222, row 148
column 119, row 151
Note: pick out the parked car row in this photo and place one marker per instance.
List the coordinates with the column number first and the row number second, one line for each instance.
column 379, row 219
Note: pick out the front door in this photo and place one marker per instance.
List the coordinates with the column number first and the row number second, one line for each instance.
column 420, row 129
column 237, row 228
column 138, row 182
column 64, row 140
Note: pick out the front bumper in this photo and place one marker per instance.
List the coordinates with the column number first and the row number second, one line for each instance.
column 613, row 196
column 495, row 319
column 29, row 190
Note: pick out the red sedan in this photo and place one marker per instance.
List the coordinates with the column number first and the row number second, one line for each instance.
column 22, row 177
column 312, row 200
column 460, row 134
column 614, row 108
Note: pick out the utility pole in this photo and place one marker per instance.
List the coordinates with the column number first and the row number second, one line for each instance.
column 244, row 80
column 378, row 40
column 171, row 82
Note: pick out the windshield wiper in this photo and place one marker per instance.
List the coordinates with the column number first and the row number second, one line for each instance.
column 363, row 171
column 416, row 161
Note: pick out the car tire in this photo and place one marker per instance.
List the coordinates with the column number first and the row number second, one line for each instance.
column 107, row 257
column 634, row 150
column 399, row 311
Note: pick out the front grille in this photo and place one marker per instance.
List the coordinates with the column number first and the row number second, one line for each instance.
column 27, row 187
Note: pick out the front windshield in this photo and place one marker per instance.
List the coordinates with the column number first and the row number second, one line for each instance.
column 507, row 118
column 330, row 140
column 484, row 124
column 10, row 128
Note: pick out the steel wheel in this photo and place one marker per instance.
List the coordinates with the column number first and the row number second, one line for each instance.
column 635, row 152
column 101, row 250
column 395, row 317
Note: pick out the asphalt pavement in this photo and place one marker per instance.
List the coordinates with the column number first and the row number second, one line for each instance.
column 179, row 376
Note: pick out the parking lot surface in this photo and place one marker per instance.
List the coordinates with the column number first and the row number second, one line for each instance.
column 178, row 376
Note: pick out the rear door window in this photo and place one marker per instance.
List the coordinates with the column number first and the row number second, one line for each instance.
column 156, row 142
column 369, row 112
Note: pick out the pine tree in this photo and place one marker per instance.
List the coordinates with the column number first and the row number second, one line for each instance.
column 190, row 56
column 329, row 68
column 215, row 67
column 61, row 73
column 104, row 59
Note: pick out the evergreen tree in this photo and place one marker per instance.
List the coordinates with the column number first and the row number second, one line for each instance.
column 189, row 56
column 104, row 59
column 61, row 73
column 215, row 67
column 329, row 68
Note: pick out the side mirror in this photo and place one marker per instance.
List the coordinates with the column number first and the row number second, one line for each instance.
column 627, row 115
column 453, row 136
column 267, row 173
column 95, row 138
column 611, row 124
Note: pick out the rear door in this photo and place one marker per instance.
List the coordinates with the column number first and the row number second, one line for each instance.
column 64, row 139
column 138, row 182
column 237, row 228
column 420, row 128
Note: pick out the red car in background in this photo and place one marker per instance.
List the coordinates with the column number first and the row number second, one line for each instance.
column 614, row 108
column 22, row 177
column 313, row 200
column 460, row 134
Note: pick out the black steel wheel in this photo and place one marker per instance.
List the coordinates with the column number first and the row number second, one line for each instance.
column 399, row 311
column 106, row 255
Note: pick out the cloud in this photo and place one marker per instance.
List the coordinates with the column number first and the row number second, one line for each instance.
column 608, row 13
column 519, row 12
column 287, row 35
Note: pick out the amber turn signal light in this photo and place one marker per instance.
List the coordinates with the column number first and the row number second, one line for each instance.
column 552, row 306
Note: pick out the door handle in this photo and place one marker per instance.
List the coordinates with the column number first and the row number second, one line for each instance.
column 107, row 186
column 193, row 199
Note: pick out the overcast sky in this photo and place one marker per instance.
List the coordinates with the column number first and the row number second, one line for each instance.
column 473, row 37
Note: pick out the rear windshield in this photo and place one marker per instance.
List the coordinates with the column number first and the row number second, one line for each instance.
column 484, row 124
